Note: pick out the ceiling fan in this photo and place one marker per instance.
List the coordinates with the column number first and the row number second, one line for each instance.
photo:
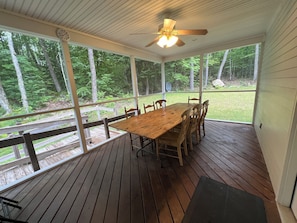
column 168, row 35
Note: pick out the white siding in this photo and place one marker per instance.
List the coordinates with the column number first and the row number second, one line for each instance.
column 277, row 91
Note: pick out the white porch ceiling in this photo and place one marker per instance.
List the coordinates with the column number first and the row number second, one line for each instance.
column 227, row 21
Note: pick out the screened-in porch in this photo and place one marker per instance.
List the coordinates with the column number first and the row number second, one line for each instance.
column 48, row 117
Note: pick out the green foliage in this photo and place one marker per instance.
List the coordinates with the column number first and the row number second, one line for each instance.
column 34, row 70
column 83, row 92
column 239, row 64
column 148, row 76
column 113, row 72
column 178, row 73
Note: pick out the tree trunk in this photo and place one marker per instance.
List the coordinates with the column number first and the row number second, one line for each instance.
column 18, row 71
column 222, row 64
column 30, row 54
column 256, row 62
column 93, row 75
column 192, row 74
column 230, row 69
column 61, row 62
column 206, row 71
column 50, row 66
column 147, row 88
column 3, row 100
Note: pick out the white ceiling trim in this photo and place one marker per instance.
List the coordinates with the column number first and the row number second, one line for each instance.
column 19, row 23
column 222, row 46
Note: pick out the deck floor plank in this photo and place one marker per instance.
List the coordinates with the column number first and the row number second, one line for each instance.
column 87, row 211
column 26, row 196
column 159, row 195
column 111, row 185
column 82, row 195
column 50, row 213
column 46, row 202
column 114, row 194
column 150, row 213
column 102, row 198
column 174, row 205
column 38, row 201
column 137, row 211
column 179, row 188
column 124, row 206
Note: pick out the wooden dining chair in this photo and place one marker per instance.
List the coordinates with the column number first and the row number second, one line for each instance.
column 202, row 119
column 149, row 107
column 160, row 103
column 193, row 100
column 194, row 125
column 6, row 204
column 130, row 113
column 195, row 117
column 138, row 142
column 175, row 139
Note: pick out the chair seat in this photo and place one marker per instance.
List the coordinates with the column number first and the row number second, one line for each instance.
column 175, row 139
column 169, row 138
column 193, row 126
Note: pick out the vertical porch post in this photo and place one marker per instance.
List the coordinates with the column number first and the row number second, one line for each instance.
column 71, row 81
column 163, row 80
column 201, row 77
column 134, row 79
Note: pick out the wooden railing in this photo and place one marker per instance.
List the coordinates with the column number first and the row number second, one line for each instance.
column 27, row 138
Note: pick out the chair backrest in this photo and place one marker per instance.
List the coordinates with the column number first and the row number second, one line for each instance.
column 184, row 125
column 149, row 107
column 195, row 116
column 160, row 103
column 204, row 110
column 132, row 112
column 194, row 100
column 196, row 110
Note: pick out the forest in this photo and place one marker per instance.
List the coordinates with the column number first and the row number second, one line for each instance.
column 32, row 73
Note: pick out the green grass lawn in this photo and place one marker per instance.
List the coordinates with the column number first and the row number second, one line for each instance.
column 229, row 106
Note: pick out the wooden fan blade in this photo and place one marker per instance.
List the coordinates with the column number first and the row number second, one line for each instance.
column 160, row 27
column 180, row 42
column 191, row 32
column 154, row 41
column 169, row 24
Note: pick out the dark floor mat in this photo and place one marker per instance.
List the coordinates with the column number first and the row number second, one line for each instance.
column 215, row 202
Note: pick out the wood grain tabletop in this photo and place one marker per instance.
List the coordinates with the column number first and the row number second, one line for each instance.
column 155, row 123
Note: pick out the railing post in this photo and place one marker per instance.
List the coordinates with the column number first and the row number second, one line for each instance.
column 31, row 151
column 116, row 109
column 24, row 145
column 86, row 130
column 15, row 148
column 105, row 121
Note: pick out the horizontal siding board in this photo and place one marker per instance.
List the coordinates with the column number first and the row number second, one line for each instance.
column 281, row 39
column 277, row 70
column 286, row 44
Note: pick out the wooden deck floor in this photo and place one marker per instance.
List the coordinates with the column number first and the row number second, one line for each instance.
column 111, row 185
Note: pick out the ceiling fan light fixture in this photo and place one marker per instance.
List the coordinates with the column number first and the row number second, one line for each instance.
column 162, row 41
column 172, row 41
column 167, row 41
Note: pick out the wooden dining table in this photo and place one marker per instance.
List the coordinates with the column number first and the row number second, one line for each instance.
column 155, row 123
